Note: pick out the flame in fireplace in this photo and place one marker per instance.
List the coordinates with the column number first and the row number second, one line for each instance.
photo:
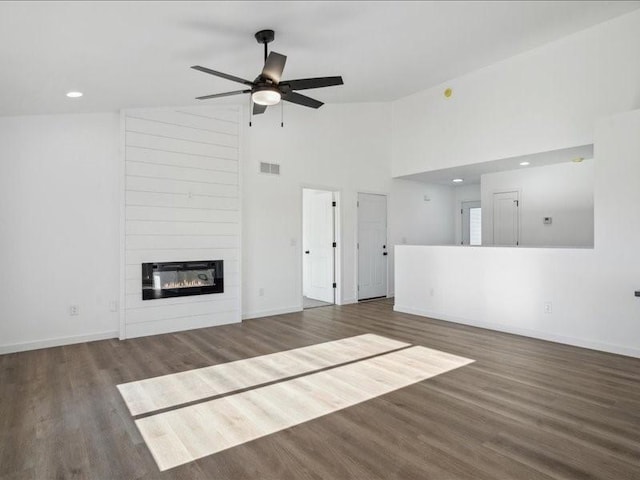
column 184, row 284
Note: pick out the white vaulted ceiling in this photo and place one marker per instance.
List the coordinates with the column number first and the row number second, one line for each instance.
column 137, row 54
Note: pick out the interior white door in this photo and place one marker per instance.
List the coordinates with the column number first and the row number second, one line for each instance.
column 372, row 246
column 471, row 223
column 506, row 218
column 318, row 250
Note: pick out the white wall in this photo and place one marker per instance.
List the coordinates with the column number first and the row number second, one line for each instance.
column 617, row 230
column 414, row 221
column 591, row 290
column 61, row 214
column 181, row 203
column 59, row 223
column 344, row 148
column 463, row 193
column 545, row 99
column 563, row 191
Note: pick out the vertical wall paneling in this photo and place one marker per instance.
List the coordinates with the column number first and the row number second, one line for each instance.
column 180, row 201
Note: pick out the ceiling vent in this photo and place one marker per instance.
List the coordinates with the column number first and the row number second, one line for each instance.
column 271, row 168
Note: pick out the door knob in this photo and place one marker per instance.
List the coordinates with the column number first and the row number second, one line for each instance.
column 384, row 253
column 307, row 252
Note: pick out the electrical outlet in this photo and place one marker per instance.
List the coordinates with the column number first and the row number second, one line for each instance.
column 113, row 306
column 261, row 292
column 547, row 307
column 74, row 310
column 431, row 292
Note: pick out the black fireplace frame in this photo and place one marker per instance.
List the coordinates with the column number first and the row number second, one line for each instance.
column 148, row 269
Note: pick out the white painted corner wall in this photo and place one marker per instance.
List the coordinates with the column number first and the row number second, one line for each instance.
column 343, row 148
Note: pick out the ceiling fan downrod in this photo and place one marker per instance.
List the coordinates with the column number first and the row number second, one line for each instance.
column 265, row 37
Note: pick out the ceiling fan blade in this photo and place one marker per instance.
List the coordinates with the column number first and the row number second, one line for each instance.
column 294, row 97
column 274, row 66
column 258, row 109
column 306, row 83
column 222, row 75
column 226, row 94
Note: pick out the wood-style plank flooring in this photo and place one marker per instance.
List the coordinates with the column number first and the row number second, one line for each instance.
column 525, row 409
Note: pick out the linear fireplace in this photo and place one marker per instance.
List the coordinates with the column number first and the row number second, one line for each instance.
column 178, row 279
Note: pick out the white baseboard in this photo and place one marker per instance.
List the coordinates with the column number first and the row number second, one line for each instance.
column 172, row 325
column 349, row 301
column 269, row 313
column 551, row 337
column 56, row 342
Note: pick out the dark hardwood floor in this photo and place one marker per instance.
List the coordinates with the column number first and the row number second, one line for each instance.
column 526, row 409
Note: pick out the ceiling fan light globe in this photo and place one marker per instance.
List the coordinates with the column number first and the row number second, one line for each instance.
column 266, row 96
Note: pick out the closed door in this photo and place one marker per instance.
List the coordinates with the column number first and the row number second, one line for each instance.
column 471, row 223
column 372, row 246
column 506, row 218
column 318, row 238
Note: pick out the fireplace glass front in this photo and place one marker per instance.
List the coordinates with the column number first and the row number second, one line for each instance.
column 178, row 279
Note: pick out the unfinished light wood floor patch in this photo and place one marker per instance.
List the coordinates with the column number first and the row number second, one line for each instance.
column 166, row 391
column 186, row 434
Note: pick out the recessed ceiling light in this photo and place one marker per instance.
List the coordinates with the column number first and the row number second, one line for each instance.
column 524, row 164
column 577, row 160
column 74, row 94
column 457, row 180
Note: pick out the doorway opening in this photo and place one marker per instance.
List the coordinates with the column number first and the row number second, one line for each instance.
column 319, row 245
column 372, row 246
column 506, row 218
column 471, row 223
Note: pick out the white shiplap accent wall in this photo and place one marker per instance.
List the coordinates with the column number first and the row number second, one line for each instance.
column 181, row 202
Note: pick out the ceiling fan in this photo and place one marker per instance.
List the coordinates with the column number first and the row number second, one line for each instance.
column 268, row 88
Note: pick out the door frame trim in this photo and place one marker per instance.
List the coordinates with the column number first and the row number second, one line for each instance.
column 462, row 226
column 506, row 190
column 337, row 233
column 357, row 241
